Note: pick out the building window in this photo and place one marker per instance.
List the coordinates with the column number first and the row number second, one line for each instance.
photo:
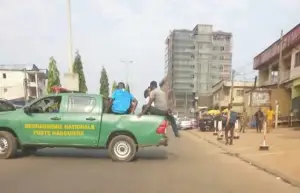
column 222, row 48
column 221, row 57
column 81, row 104
column 240, row 93
column 215, row 48
column 5, row 89
column 3, row 75
column 221, row 68
column 297, row 60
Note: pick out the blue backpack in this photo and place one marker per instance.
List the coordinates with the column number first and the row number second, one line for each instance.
column 233, row 117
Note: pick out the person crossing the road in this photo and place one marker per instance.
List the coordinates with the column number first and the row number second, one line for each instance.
column 230, row 124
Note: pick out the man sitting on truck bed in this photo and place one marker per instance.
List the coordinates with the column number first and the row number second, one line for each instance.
column 158, row 96
column 122, row 102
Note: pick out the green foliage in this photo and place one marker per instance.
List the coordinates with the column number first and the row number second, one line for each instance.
column 114, row 86
column 127, row 88
column 53, row 75
column 78, row 69
column 104, row 85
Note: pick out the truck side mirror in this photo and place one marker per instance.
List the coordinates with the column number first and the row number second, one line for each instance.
column 27, row 110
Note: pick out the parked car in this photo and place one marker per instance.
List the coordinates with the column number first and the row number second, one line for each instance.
column 78, row 121
column 5, row 105
column 206, row 123
column 185, row 123
column 194, row 122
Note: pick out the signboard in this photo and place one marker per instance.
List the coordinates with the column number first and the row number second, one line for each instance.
column 260, row 98
column 289, row 39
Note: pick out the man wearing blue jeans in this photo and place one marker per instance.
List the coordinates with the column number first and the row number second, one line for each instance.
column 158, row 97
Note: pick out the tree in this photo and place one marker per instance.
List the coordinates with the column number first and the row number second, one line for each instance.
column 114, row 86
column 78, row 69
column 127, row 88
column 104, row 85
column 53, row 75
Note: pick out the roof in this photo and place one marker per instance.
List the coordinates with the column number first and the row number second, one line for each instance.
column 30, row 67
column 291, row 38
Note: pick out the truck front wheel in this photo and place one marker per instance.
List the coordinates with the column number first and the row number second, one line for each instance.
column 122, row 148
column 8, row 145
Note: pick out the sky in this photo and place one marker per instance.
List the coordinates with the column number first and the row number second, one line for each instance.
column 108, row 31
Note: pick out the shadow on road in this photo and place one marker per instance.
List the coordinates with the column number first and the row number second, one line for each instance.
column 143, row 154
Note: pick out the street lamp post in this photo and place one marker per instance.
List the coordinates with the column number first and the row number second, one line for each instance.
column 127, row 62
column 71, row 80
column 70, row 47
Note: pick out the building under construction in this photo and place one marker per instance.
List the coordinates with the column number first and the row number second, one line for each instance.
column 195, row 60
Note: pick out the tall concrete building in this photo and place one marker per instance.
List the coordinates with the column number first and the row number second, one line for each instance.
column 195, row 60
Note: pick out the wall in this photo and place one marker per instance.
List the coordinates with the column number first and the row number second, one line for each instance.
column 11, row 87
column 205, row 101
column 295, row 66
column 281, row 95
column 283, row 98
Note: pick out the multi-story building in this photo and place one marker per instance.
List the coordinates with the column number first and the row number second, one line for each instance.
column 283, row 75
column 222, row 94
column 194, row 61
column 13, row 79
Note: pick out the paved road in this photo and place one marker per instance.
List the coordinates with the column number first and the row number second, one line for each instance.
column 188, row 165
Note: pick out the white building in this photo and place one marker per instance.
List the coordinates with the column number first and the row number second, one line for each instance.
column 222, row 92
column 12, row 82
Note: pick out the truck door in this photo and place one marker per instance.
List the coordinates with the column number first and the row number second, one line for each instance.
column 42, row 119
column 82, row 117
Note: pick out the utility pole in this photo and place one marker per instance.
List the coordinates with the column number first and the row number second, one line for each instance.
column 70, row 46
column 186, row 104
column 232, row 85
column 127, row 68
column 280, row 60
column 25, row 82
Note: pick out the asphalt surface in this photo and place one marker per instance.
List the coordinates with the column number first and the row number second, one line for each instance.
column 188, row 165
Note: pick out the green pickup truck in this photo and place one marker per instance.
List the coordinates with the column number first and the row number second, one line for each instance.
column 78, row 121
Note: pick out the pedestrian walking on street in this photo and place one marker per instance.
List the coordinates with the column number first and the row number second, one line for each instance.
column 230, row 123
column 243, row 121
column 270, row 119
column 259, row 118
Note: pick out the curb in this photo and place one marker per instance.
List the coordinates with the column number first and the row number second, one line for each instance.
column 258, row 165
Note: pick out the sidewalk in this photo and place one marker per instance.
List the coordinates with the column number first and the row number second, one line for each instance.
column 282, row 159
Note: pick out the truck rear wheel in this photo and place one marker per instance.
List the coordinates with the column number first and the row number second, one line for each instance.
column 122, row 148
column 8, row 145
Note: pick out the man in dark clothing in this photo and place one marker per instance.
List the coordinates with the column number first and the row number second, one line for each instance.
column 158, row 97
column 259, row 118
column 229, row 126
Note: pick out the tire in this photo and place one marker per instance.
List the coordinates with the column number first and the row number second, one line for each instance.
column 8, row 145
column 202, row 129
column 122, row 143
column 29, row 151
